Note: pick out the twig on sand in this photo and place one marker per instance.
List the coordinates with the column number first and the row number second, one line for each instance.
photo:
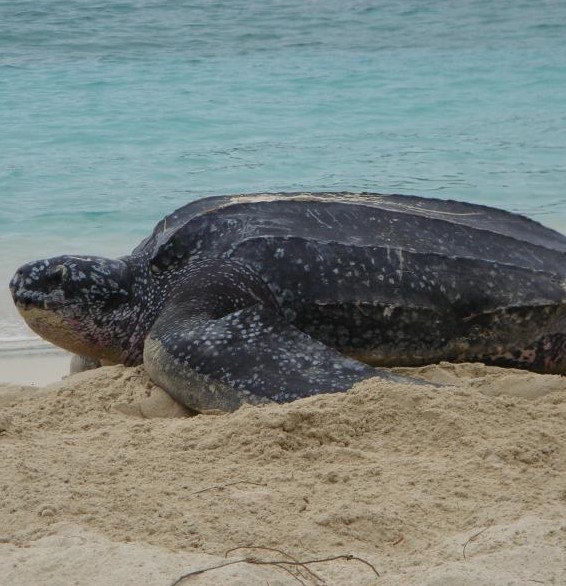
column 203, row 570
column 278, row 564
column 280, row 551
column 221, row 486
column 346, row 557
column 282, row 567
column 472, row 539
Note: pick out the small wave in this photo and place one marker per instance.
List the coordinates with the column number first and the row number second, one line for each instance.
column 25, row 344
column 17, row 338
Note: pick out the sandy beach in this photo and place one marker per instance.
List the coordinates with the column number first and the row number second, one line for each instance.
column 240, row 188
column 105, row 480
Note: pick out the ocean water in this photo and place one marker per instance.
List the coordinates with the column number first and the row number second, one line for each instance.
column 114, row 113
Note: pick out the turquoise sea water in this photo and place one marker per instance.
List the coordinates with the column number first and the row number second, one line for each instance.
column 114, row 113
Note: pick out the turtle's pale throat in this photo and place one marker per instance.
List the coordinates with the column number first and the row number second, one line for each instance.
column 66, row 333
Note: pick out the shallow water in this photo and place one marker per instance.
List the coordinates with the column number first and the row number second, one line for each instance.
column 113, row 114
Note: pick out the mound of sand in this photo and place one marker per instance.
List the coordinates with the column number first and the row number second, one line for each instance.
column 105, row 480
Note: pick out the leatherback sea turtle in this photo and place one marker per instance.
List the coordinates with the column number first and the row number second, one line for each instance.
column 278, row 296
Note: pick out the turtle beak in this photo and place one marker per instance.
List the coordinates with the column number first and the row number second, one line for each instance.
column 20, row 295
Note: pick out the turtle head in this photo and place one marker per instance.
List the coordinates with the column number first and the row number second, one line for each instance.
column 77, row 302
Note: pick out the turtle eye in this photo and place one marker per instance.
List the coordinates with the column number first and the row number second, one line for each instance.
column 57, row 275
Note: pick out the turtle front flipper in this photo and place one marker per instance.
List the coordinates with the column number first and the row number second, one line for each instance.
column 249, row 356
column 221, row 342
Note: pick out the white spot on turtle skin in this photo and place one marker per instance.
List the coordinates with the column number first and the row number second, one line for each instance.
column 401, row 263
column 388, row 310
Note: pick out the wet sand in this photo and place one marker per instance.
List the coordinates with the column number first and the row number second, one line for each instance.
column 34, row 368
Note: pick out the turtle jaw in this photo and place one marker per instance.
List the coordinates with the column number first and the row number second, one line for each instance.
column 54, row 319
column 26, row 300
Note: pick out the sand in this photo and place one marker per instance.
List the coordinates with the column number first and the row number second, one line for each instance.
column 105, row 480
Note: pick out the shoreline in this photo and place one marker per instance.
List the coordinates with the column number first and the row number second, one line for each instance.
column 35, row 367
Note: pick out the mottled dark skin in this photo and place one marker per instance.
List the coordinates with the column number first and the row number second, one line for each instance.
column 279, row 296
